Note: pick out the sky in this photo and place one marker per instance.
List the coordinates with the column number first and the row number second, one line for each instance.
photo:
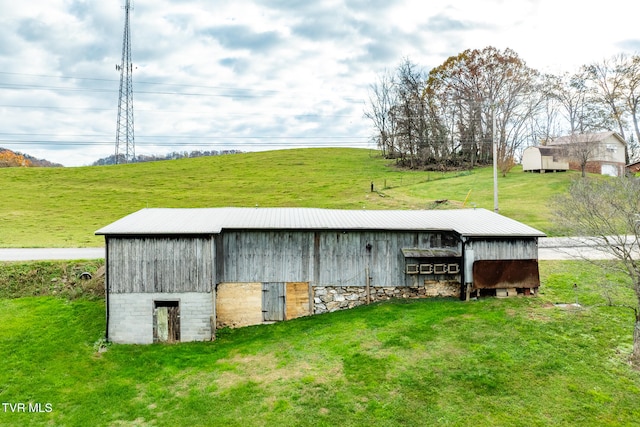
column 256, row 75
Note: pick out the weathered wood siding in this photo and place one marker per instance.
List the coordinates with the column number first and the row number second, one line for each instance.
column 324, row 258
column 160, row 264
column 266, row 256
column 504, row 249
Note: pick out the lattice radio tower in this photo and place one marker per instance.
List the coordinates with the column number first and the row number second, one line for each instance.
column 125, row 141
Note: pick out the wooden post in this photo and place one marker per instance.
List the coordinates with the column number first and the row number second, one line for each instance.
column 366, row 270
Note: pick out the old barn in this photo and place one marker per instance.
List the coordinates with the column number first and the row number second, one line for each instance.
column 179, row 274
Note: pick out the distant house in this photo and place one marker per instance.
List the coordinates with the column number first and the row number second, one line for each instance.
column 544, row 159
column 604, row 151
column 178, row 274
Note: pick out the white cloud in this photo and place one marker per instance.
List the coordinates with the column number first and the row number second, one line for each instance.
column 256, row 74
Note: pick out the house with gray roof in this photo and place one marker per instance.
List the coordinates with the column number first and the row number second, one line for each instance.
column 180, row 274
column 602, row 153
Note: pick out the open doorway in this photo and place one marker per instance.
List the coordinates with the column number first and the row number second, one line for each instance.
column 166, row 321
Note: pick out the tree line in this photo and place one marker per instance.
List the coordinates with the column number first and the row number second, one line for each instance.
column 141, row 158
column 450, row 116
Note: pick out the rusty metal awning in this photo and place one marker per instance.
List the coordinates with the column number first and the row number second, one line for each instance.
column 430, row 253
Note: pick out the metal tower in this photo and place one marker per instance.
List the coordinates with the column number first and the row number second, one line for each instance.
column 125, row 142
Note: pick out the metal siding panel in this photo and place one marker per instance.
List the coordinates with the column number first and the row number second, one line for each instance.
column 504, row 249
column 493, row 274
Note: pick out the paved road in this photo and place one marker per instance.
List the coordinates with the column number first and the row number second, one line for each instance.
column 559, row 248
column 31, row 254
column 549, row 248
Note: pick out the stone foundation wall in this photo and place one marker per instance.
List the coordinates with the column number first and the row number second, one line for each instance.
column 333, row 298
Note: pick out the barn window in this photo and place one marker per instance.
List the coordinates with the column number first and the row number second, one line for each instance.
column 426, row 268
column 166, row 321
column 433, row 261
column 412, row 269
column 440, row 268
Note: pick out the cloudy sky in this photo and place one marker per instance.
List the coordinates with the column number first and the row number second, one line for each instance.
column 257, row 74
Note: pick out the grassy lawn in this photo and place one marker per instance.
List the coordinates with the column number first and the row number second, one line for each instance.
column 508, row 362
column 63, row 207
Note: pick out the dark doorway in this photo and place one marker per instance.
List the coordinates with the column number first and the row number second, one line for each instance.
column 166, row 321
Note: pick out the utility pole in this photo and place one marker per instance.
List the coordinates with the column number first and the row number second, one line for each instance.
column 495, row 157
column 125, row 141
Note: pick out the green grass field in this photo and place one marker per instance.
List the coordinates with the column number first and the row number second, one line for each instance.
column 63, row 207
column 492, row 362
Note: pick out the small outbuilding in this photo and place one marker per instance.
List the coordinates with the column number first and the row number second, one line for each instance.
column 544, row 159
column 179, row 274
column 633, row 168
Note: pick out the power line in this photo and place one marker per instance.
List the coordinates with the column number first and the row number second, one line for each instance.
column 144, row 110
column 213, row 142
column 185, row 136
column 144, row 82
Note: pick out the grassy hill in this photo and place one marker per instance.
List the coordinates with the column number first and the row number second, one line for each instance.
column 62, row 207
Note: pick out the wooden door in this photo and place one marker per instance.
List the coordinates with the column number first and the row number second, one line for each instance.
column 166, row 321
column 273, row 301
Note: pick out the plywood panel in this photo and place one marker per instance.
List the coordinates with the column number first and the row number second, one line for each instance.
column 297, row 299
column 238, row 304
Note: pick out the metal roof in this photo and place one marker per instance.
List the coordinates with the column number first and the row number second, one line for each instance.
column 585, row 137
column 171, row 221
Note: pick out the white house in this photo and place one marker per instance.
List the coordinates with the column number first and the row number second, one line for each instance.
column 605, row 152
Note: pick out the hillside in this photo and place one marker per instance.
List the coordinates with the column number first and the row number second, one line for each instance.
column 9, row 158
column 62, row 207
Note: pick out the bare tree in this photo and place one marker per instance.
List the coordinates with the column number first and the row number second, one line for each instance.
column 606, row 213
column 382, row 98
column 581, row 148
column 632, row 98
column 608, row 79
column 571, row 93
column 410, row 110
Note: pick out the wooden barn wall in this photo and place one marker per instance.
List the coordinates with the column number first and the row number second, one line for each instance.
column 324, row 258
column 497, row 249
column 160, row 264
column 266, row 256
